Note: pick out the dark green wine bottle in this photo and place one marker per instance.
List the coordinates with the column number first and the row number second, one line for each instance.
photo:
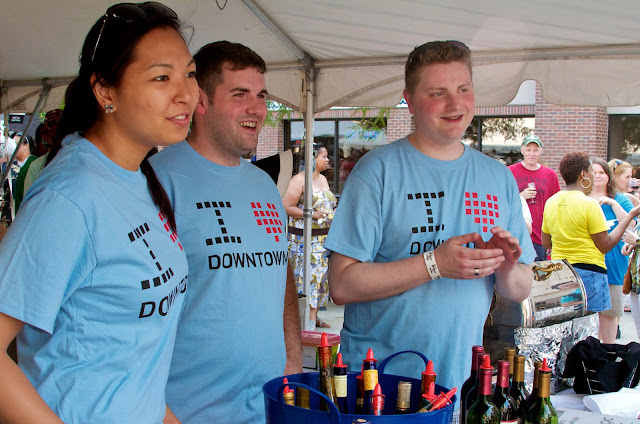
column 542, row 411
column 534, row 390
column 501, row 398
column 517, row 390
column 483, row 411
column 472, row 394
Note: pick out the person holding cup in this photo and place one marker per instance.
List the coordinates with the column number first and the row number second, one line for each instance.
column 536, row 184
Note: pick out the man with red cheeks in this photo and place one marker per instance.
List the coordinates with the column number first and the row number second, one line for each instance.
column 425, row 229
column 240, row 326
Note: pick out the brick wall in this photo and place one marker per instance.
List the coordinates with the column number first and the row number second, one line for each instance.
column 270, row 140
column 562, row 128
column 565, row 129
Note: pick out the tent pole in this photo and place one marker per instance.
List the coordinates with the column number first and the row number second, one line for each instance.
column 310, row 80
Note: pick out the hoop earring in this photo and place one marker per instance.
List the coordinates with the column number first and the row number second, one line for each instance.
column 109, row 108
column 588, row 185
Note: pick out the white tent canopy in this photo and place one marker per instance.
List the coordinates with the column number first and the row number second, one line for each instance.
column 324, row 53
column 582, row 52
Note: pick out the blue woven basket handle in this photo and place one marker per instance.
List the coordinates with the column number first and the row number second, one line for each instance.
column 384, row 362
column 334, row 413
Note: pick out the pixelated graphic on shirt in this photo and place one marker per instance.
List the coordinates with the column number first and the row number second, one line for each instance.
column 427, row 197
column 148, row 308
column 216, row 208
column 268, row 218
column 483, row 209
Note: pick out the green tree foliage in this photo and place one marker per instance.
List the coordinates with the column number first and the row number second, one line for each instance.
column 509, row 128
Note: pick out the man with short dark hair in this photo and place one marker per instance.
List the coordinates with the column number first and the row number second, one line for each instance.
column 423, row 232
column 536, row 184
column 240, row 323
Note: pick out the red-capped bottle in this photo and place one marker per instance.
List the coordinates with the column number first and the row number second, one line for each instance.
column 542, row 411
column 472, row 396
column 534, row 390
column 471, row 381
column 443, row 399
column 340, row 384
column 377, row 401
column 326, row 372
column 428, row 377
column 288, row 394
column 501, row 398
column 483, row 411
column 428, row 398
column 370, row 379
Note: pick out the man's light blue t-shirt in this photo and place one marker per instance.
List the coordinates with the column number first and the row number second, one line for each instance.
column 230, row 338
column 398, row 202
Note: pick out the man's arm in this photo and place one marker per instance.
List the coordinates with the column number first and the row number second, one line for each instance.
column 353, row 281
column 291, row 326
column 169, row 417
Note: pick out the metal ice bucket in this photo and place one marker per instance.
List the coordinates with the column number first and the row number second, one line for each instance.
column 557, row 296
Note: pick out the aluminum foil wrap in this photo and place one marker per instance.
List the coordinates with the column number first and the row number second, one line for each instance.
column 553, row 343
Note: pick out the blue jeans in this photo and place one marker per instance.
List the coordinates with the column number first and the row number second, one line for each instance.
column 596, row 285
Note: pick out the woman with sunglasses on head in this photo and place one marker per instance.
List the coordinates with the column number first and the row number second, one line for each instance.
column 575, row 228
column 94, row 275
column 615, row 206
column 622, row 178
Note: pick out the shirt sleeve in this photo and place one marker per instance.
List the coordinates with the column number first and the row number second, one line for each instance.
column 356, row 230
column 46, row 254
column 596, row 220
column 526, row 212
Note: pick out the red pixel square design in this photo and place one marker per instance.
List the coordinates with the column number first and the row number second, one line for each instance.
column 267, row 222
column 479, row 212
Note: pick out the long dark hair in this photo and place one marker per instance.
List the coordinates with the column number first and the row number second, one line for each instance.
column 611, row 185
column 107, row 52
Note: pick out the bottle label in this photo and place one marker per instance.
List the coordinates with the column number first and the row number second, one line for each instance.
column 340, row 381
column 370, row 378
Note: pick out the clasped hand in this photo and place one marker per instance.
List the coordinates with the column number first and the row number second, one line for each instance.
column 499, row 254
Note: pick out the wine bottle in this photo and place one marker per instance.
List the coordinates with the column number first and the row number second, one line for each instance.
column 501, row 398
column 377, row 401
column 509, row 354
column 483, row 411
column 360, row 392
column 471, row 381
column 428, row 376
column 534, row 390
column 542, row 411
column 340, row 384
column 483, row 359
column 288, row 394
column 370, row 379
column 326, row 372
column 517, row 390
column 403, row 400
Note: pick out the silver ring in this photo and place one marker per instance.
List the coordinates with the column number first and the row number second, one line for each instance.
column 476, row 271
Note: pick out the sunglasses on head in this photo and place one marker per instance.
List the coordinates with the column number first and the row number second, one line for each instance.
column 617, row 162
column 132, row 12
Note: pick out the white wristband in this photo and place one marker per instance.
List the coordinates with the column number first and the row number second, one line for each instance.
column 432, row 266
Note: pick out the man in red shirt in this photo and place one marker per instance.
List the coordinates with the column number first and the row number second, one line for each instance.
column 536, row 183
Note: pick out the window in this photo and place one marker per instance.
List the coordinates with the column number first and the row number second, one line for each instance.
column 346, row 140
column 499, row 137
